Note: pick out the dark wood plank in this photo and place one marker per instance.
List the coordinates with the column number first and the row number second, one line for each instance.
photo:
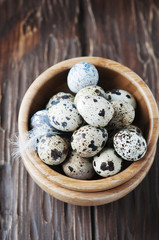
column 35, row 35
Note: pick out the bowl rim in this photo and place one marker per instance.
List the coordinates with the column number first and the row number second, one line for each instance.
column 89, row 198
column 88, row 185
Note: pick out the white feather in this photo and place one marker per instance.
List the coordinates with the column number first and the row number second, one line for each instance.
column 33, row 137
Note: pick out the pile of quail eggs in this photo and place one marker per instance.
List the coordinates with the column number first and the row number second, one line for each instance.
column 90, row 132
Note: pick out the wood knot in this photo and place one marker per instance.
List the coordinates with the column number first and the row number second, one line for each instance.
column 32, row 21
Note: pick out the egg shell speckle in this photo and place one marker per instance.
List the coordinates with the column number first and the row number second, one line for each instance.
column 87, row 141
column 95, row 110
column 64, row 116
column 78, row 167
column 124, row 114
column 121, row 95
column 81, row 75
column 52, row 150
column 90, row 90
column 59, row 97
column 107, row 163
column 131, row 146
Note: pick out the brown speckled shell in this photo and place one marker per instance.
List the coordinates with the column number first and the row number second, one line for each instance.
column 78, row 167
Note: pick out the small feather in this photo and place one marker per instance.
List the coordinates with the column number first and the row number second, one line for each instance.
column 33, row 137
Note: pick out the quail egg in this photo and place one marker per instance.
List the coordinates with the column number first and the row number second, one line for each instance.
column 95, row 110
column 81, row 75
column 133, row 128
column 64, row 116
column 131, row 146
column 78, row 167
column 87, row 141
column 59, row 97
column 90, row 90
column 37, row 132
column 52, row 150
column 124, row 114
column 107, row 163
column 40, row 118
column 40, row 126
column 120, row 95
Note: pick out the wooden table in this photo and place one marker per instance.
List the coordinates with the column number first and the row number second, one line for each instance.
column 35, row 35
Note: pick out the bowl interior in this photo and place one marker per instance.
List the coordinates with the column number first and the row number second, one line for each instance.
column 111, row 75
column 109, row 79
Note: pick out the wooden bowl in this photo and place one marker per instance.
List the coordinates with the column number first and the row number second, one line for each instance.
column 112, row 75
column 88, row 198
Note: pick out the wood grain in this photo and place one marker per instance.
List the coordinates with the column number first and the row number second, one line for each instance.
column 35, row 35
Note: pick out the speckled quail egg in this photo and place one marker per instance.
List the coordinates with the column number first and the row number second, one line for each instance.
column 81, row 75
column 64, row 116
column 59, row 97
column 40, row 126
column 133, row 128
column 87, row 141
column 124, row 114
column 95, row 110
column 37, row 132
column 112, row 132
column 52, row 150
column 120, row 95
column 78, row 167
column 40, row 118
column 90, row 90
column 107, row 163
column 130, row 145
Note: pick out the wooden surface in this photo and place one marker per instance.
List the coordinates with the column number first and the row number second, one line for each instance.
column 35, row 35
